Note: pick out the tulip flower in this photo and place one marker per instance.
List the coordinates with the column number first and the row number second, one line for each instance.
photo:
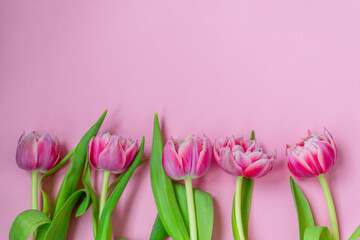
column 112, row 154
column 314, row 156
column 242, row 158
column 37, row 154
column 187, row 159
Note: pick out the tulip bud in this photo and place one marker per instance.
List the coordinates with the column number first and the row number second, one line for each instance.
column 313, row 155
column 189, row 157
column 112, row 153
column 36, row 152
column 243, row 158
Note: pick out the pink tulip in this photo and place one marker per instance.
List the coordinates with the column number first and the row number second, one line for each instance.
column 189, row 157
column 312, row 156
column 243, row 158
column 35, row 152
column 112, row 153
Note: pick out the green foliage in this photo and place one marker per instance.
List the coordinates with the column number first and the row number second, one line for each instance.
column 115, row 195
column 171, row 200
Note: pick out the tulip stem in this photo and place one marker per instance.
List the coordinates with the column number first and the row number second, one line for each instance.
column 331, row 207
column 191, row 208
column 104, row 190
column 238, row 218
column 34, row 189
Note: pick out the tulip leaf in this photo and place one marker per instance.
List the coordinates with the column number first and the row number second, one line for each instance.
column 72, row 176
column 203, row 208
column 158, row 231
column 164, row 194
column 93, row 196
column 26, row 223
column 356, row 234
column 317, row 233
column 59, row 225
column 104, row 222
column 46, row 202
column 246, row 195
column 305, row 217
column 204, row 214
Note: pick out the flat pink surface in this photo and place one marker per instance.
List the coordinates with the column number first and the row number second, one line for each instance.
column 213, row 67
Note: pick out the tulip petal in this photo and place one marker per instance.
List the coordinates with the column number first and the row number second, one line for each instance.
column 172, row 162
column 205, row 156
column 113, row 157
column 257, row 169
column 47, row 154
column 26, row 153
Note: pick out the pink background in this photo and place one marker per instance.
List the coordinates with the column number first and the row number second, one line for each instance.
column 213, row 67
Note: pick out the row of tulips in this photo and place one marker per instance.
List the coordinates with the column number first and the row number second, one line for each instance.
column 180, row 159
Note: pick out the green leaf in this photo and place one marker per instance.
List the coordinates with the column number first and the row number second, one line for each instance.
column 158, row 232
column 305, row 217
column 46, row 202
column 72, row 176
column 356, row 234
column 59, row 225
column 93, row 196
column 26, row 223
column 163, row 191
column 246, row 195
column 116, row 194
column 204, row 214
column 317, row 233
column 203, row 208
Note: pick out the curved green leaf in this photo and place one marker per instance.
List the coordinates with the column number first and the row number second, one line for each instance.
column 317, row 233
column 158, row 231
column 46, row 201
column 305, row 217
column 204, row 214
column 59, row 225
column 93, row 196
column 246, row 195
column 26, row 223
column 72, row 176
column 203, row 208
column 356, row 234
column 115, row 195
column 163, row 191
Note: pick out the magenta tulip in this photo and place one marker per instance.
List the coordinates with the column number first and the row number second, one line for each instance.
column 189, row 157
column 243, row 158
column 312, row 156
column 112, row 153
column 35, row 152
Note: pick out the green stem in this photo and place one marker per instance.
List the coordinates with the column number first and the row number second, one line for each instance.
column 238, row 207
column 191, row 208
column 331, row 208
column 104, row 190
column 34, row 189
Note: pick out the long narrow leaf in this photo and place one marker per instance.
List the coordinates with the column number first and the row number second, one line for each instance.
column 26, row 223
column 356, row 234
column 317, row 233
column 46, row 202
column 93, row 196
column 115, row 195
column 246, row 195
column 203, row 208
column 204, row 214
column 59, row 225
column 163, row 190
column 305, row 217
column 158, row 232
column 72, row 176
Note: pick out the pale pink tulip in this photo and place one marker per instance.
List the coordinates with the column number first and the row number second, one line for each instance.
column 243, row 158
column 112, row 153
column 35, row 152
column 189, row 157
column 313, row 155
